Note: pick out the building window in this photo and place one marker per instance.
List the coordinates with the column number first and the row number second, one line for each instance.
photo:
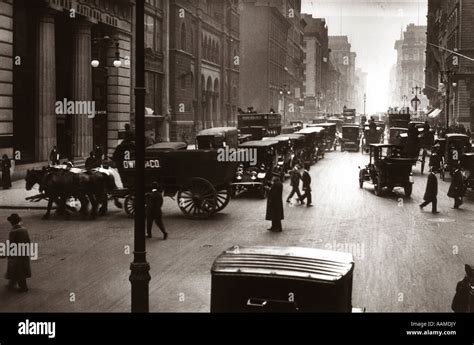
column 153, row 86
column 183, row 37
column 149, row 32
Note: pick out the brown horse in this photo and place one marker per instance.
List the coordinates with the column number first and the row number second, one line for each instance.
column 59, row 185
column 463, row 301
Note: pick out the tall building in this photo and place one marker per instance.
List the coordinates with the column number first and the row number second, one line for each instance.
column 316, row 49
column 205, row 65
column 360, row 94
column 67, row 75
column 344, row 59
column 450, row 26
column 410, row 77
column 271, row 73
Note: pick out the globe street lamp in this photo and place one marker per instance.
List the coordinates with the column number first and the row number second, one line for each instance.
column 108, row 40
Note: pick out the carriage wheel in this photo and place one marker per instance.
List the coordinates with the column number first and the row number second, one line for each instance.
column 223, row 198
column 377, row 186
column 129, row 205
column 198, row 198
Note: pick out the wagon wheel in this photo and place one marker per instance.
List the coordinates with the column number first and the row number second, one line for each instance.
column 223, row 198
column 198, row 198
column 129, row 205
column 377, row 186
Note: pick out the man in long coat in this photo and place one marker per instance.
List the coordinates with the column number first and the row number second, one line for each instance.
column 275, row 205
column 457, row 188
column 431, row 192
column 306, row 178
column 295, row 178
column 18, row 267
column 154, row 202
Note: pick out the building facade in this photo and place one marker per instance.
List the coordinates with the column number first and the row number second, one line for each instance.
column 410, row 76
column 316, row 82
column 450, row 26
column 67, row 76
column 344, row 59
column 204, row 65
column 271, row 74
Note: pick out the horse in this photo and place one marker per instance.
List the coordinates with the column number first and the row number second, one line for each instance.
column 57, row 185
column 463, row 301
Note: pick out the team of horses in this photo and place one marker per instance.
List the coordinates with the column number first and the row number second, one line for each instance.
column 59, row 185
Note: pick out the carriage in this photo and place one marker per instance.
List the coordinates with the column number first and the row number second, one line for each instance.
column 260, row 279
column 331, row 135
column 314, row 146
column 395, row 135
column 259, row 125
column 387, row 168
column 350, row 138
column 370, row 136
column 297, row 145
column 197, row 178
column 447, row 153
column 467, row 165
column 283, row 150
column 218, row 137
column 256, row 176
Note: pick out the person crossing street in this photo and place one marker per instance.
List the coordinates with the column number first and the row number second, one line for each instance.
column 154, row 202
column 306, row 178
column 295, row 178
column 431, row 192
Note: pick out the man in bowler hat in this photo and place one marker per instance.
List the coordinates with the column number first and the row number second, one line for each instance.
column 275, row 205
column 18, row 267
column 431, row 192
column 154, row 202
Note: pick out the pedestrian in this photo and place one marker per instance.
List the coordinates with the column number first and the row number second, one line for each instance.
column 431, row 192
column 6, row 178
column 468, row 133
column 457, row 188
column 18, row 267
column 98, row 154
column 92, row 162
column 54, row 156
column 275, row 205
column 306, row 178
column 154, row 202
column 295, row 178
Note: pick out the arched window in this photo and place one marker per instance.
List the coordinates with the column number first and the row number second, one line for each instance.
column 183, row 37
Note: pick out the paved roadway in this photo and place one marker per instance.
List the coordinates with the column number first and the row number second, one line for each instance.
column 406, row 260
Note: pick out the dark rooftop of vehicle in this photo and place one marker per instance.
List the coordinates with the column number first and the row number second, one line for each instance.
column 303, row 263
column 217, row 131
column 259, row 143
column 169, row 146
column 456, row 135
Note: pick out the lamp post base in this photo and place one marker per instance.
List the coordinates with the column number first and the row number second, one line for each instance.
column 140, row 278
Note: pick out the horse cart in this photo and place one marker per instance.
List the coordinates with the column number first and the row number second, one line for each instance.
column 447, row 153
column 198, row 180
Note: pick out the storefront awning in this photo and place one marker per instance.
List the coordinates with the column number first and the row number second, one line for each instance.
column 434, row 113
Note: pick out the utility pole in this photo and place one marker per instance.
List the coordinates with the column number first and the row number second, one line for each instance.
column 365, row 103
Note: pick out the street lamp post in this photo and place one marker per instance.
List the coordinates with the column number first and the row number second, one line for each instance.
column 140, row 269
column 365, row 103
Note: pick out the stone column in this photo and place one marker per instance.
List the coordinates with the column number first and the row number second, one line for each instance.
column 82, row 88
column 46, row 81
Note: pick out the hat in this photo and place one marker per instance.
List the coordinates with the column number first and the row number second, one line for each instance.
column 154, row 185
column 14, row 218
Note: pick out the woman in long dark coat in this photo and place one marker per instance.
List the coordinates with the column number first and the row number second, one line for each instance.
column 18, row 267
column 275, row 205
column 457, row 189
column 6, row 179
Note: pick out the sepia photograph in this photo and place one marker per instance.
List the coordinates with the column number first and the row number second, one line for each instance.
column 237, row 156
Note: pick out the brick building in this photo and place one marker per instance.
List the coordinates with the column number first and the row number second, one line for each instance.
column 450, row 26
column 204, row 65
column 271, row 74
column 410, row 65
column 77, row 51
column 316, row 82
column 344, row 59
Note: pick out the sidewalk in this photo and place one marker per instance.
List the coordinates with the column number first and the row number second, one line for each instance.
column 14, row 198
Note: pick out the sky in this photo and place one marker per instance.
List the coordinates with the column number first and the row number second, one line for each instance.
column 372, row 26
